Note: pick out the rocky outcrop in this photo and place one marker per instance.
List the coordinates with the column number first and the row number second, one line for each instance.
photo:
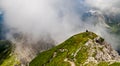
column 101, row 51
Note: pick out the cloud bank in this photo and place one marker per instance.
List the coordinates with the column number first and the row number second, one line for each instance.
column 112, row 6
column 58, row 18
column 39, row 16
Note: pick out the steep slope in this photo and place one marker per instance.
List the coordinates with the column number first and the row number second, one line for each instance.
column 7, row 58
column 26, row 47
column 84, row 49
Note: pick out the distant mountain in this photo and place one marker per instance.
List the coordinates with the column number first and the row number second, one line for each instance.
column 96, row 16
column 110, row 21
column 83, row 49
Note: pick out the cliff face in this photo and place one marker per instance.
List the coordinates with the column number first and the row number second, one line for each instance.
column 84, row 49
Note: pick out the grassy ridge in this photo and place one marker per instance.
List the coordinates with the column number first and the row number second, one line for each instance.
column 73, row 49
column 10, row 61
column 69, row 46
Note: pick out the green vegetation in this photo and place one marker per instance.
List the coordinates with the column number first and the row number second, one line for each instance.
column 115, row 64
column 103, row 64
column 6, row 56
column 91, row 64
column 10, row 61
column 114, row 27
column 5, row 50
column 66, row 50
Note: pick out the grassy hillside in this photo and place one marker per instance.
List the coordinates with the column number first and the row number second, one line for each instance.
column 72, row 51
column 69, row 47
column 5, row 50
column 7, row 58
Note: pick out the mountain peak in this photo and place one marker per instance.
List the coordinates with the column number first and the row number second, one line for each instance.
column 82, row 49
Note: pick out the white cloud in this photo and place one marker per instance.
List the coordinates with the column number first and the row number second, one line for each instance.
column 59, row 18
column 0, row 12
column 105, row 5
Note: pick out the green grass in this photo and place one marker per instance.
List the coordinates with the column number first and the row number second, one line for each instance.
column 6, row 56
column 103, row 64
column 82, row 55
column 115, row 64
column 10, row 61
column 5, row 50
column 90, row 64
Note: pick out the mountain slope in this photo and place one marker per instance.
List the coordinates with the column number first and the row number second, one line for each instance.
column 7, row 58
column 84, row 49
